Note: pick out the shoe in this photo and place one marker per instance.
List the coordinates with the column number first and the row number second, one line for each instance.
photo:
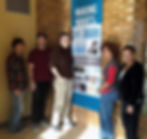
column 72, row 123
column 36, row 128
column 23, row 127
column 56, row 128
column 44, row 123
column 53, row 132
column 15, row 131
column 68, row 121
column 68, row 125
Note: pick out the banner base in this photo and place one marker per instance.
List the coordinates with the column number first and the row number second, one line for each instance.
column 86, row 101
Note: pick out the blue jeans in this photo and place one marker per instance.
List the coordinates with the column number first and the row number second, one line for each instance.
column 106, row 113
column 16, row 112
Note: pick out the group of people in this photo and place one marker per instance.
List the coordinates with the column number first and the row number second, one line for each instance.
column 46, row 67
column 121, row 81
column 42, row 67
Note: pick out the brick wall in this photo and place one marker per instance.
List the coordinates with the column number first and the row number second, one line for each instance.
column 53, row 17
column 124, row 20
column 140, row 30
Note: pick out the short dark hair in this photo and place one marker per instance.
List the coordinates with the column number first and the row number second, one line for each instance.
column 130, row 48
column 113, row 47
column 41, row 34
column 63, row 34
column 17, row 41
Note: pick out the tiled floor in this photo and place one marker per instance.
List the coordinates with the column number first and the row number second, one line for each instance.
column 78, row 132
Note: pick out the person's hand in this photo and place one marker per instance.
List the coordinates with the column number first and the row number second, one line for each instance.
column 130, row 109
column 17, row 92
column 32, row 85
column 100, row 89
column 61, row 78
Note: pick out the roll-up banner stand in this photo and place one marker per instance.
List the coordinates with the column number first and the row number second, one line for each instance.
column 87, row 38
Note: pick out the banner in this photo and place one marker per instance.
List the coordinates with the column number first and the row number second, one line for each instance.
column 87, row 37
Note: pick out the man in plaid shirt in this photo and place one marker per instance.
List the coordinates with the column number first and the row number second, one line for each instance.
column 17, row 80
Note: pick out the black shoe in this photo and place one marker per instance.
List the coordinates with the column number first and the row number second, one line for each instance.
column 15, row 131
column 36, row 128
column 44, row 123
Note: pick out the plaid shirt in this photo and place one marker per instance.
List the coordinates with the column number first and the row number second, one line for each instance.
column 16, row 71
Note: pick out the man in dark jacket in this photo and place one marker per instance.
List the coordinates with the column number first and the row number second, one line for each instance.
column 61, row 67
column 131, row 80
column 17, row 80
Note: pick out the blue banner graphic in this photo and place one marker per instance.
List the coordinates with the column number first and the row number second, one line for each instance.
column 87, row 37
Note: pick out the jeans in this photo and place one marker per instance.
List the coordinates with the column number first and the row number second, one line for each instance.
column 16, row 112
column 39, row 102
column 106, row 114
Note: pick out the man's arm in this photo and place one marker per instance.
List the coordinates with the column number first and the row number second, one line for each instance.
column 136, row 88
column 56, row 73
column 136, row 84
column 53, row 65
column 31, row 76
column 12, row 77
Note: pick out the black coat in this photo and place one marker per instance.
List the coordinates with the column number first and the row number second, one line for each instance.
column 131, row 85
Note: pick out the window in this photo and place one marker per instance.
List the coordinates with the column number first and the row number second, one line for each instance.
column 20, row 6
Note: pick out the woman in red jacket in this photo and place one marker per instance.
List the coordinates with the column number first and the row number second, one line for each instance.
column 108, row 90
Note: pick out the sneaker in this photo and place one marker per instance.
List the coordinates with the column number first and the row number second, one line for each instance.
column 35, row 128
column 68, row 121
column 53, row 132
column 68, row 125
column 72, row 123
column 23, row 127
column 44, row 123
column 56, row 128
column 16, row 131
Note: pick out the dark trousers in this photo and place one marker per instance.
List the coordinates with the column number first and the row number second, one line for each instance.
column 39, row 101
column 131, row 122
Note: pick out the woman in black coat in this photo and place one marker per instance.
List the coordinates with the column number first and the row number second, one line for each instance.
column 130, row 82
